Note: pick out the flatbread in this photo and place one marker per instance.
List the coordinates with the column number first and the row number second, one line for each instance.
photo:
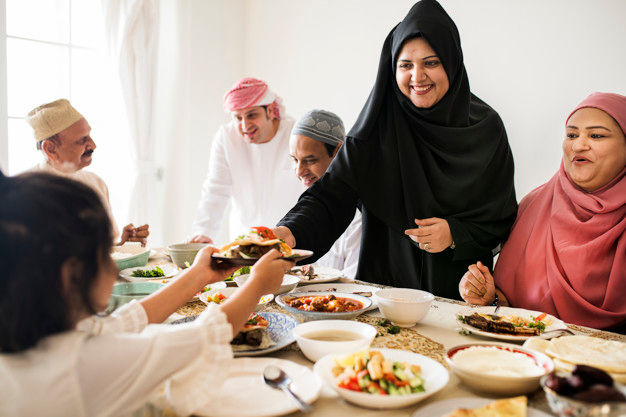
column 537, row 343
column 608, row 355
column 510, row 407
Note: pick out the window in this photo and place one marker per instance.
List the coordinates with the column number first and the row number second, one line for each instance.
column 55, row 49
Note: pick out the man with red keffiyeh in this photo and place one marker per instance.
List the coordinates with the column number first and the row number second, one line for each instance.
column 249, row 165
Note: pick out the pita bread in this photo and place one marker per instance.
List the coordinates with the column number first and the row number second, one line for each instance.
column 607, row 355
column 510, row 407
column 537, row 343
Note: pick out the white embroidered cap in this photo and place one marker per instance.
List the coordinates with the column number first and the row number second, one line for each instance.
column 51, row 118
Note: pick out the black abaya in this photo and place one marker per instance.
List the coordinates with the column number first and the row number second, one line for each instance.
column 400, row 162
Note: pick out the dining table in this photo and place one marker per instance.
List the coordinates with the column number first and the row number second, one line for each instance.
column 437, row 332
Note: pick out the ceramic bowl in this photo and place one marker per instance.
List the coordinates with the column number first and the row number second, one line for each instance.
column 314, row 349
column 497, row 384
column 304, row 315
column 229, row 291
column 184, row 252
column 434, row 374
column 564, row 406
column 125, row 292
column 289, row 282
column 130, row 255
column 403, row 306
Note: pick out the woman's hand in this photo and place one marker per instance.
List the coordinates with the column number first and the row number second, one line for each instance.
column 433, row 234
column 285, row 234
column 211, row 270
column 267, row 274
column 477, row 285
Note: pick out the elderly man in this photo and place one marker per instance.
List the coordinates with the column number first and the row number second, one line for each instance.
column 315, row 140
column 248, row 166
column 63, row 135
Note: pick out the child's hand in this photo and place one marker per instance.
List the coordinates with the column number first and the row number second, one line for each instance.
column 214, row 271
column 267, row 274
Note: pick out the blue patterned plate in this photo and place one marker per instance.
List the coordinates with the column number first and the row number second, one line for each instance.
column 280, row 330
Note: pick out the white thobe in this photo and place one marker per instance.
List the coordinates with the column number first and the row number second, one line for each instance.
column 344, row 254
column 89, row 179
column 258, row 179
column 98, row 371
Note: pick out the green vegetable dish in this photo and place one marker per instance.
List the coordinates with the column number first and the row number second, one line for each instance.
column 371, row 373
column 148, row 273
column 242, row 271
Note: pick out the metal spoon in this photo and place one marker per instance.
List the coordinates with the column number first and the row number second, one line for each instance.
column 277, row 378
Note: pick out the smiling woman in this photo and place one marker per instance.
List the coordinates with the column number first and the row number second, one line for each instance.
column 565, row 255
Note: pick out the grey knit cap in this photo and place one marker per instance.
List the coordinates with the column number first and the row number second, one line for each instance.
column 321, row 125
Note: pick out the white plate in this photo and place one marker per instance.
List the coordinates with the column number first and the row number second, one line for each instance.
column 168, row 269
column 227, row 292
column 505, row 311
column 434, row 374
column 324, row 274
column 244, row 393
column 341, row 287
column 443, row 407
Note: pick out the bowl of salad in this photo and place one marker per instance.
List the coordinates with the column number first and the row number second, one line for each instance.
column 382, row 378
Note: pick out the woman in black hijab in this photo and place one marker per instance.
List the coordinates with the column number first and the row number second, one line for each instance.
column 424, row 151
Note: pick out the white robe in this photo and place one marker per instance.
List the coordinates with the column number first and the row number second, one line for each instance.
column 344, row 254
column 258, row 179
column 89, row 179
column 104, row 369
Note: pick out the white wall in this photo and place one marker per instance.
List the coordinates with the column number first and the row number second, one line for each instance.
column 532, row 60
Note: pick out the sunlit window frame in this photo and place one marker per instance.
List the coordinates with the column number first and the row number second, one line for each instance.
column 4, row 98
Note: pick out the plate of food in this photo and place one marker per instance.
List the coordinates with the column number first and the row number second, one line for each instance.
column 149, row 272
column 313, row 274
column 382, row 378
column 324, row 305
column 219, row 295
column 348, row 288
column 249, row 248
column 263, row 333
column 479, row 407
column 510, row 323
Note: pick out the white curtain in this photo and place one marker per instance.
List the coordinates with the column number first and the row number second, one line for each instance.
column 132, row 37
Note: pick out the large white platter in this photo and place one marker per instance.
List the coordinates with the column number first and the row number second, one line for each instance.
column 505, row 311
column 245, row 394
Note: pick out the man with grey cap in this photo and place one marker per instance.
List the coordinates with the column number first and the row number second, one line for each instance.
column 315, row 140
column 63, row 135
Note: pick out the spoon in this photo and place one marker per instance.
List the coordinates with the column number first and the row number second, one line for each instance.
column 277, row 378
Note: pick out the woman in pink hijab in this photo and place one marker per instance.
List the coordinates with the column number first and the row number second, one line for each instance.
column 566, row 254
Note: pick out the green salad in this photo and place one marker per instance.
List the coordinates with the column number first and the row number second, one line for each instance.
column 242, row 271
column 148, row 273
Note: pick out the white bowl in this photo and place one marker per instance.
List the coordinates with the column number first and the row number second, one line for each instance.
column 496, row 384
column 403, row 306
column 315, row 349
column 182, row 253
column 289, row 282
column 228, row 291
column 434, row 374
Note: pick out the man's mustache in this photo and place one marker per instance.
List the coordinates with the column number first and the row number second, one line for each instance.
column 88, row 153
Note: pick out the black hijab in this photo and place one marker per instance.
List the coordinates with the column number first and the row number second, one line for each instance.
column 451, row 160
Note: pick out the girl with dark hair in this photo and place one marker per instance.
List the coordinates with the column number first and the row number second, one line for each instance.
column 55, row 241
column 420, row 160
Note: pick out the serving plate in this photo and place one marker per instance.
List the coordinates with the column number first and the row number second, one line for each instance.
column 244, row 394
column 348, row 288
column 280, row 330
column 434, row 374
column 321, row 315
column 323, row 273
column 227, row 292
column 297, row 255
column 505, row 311
column 168, row 269
column 443, row 407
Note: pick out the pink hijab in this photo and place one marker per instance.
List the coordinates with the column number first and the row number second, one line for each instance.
column 566, row 254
